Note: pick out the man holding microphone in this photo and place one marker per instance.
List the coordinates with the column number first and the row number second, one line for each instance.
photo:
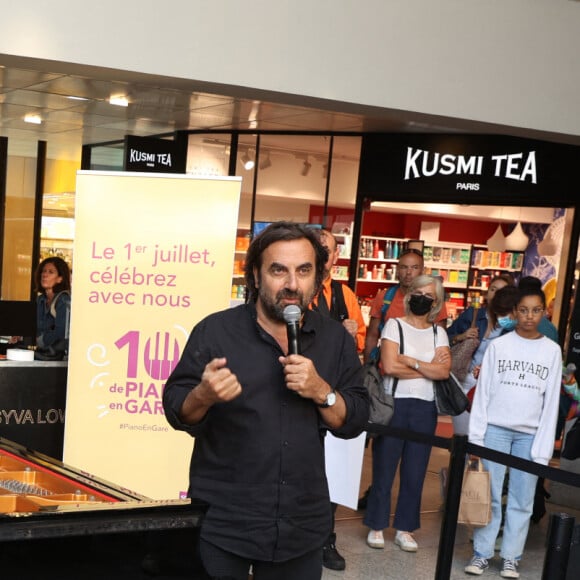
column 259, row 414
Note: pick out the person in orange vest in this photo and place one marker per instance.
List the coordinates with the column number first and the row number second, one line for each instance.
column 339, row 302
column 336, row 299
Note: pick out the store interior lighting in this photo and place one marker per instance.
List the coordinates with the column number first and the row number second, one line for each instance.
column 266, row 162
column 306, row 168
column 119, row 100
column 247, row 161
column 32, row 118
column 517, row 241
column 497, row 241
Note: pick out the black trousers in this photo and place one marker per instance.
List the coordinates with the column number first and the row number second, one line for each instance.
column 222, row 565
column 331, row 539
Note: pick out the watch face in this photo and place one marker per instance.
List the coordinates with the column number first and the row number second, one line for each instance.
column 331, row 398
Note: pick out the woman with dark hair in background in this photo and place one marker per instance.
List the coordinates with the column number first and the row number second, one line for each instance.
column 53, row 284
column 464, row 327
column 500, row 319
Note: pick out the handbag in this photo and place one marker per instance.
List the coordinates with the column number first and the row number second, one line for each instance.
column 449, row 396
column 571, row 448
column 475, row 503
column 382, row 404
column 462, row 353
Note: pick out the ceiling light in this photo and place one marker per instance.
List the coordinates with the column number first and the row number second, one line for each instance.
column 306, row 168
column 119, row 101
column 517, row 241
column 32, row 118
column 266, row 161
column 497, row 242
column 247, row 161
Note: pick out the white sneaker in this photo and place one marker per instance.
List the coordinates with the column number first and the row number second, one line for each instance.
column 405, row 541
column 375, row 539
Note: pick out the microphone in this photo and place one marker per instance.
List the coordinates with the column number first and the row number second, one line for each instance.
column 292, row 314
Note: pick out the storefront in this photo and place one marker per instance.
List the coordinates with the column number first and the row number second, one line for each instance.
column 368, row 188
column 315, row 177
column 478, row 170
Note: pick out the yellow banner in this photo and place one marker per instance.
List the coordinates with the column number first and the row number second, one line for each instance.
column 153, row 254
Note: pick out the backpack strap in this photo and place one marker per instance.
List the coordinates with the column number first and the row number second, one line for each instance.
column 389, row 296
column 338, row 308
column 401, row 341
column 401, row 351
column 434, row 335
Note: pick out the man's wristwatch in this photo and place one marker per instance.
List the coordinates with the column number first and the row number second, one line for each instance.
column 330, row 400
column 416, row 365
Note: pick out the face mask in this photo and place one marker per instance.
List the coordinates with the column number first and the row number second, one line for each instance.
column 506, row 323
column 420, row 304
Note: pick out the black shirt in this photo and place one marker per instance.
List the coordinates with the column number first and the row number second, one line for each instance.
column 258, row 461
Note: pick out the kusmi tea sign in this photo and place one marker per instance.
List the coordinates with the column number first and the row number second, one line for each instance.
column 153, row 155
column 446, row 168
column 422, row 163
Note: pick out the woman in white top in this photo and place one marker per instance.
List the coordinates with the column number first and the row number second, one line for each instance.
column 425, row 357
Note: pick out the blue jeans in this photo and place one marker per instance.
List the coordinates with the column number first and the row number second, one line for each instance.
column 413, row 457
column 520, row 501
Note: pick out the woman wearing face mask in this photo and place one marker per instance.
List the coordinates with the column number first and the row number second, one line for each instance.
column 425, row 357
column 461, row 328
column 500, row 319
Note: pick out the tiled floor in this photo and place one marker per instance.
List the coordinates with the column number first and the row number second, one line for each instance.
column 365, row 563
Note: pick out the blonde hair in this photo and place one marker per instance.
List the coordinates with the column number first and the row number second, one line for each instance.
column 424, row 280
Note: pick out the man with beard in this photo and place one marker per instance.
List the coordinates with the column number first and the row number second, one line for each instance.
column 258, row 414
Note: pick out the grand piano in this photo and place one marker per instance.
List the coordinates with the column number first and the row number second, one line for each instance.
column 51, row 513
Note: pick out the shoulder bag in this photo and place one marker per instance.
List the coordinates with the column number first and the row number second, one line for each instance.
column 449, row 396
column 462, row 353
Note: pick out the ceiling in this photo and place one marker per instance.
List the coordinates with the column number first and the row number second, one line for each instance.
column 75, row 110
column 73, row 105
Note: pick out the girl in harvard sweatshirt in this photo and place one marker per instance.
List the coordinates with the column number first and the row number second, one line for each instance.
column 514, row 411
